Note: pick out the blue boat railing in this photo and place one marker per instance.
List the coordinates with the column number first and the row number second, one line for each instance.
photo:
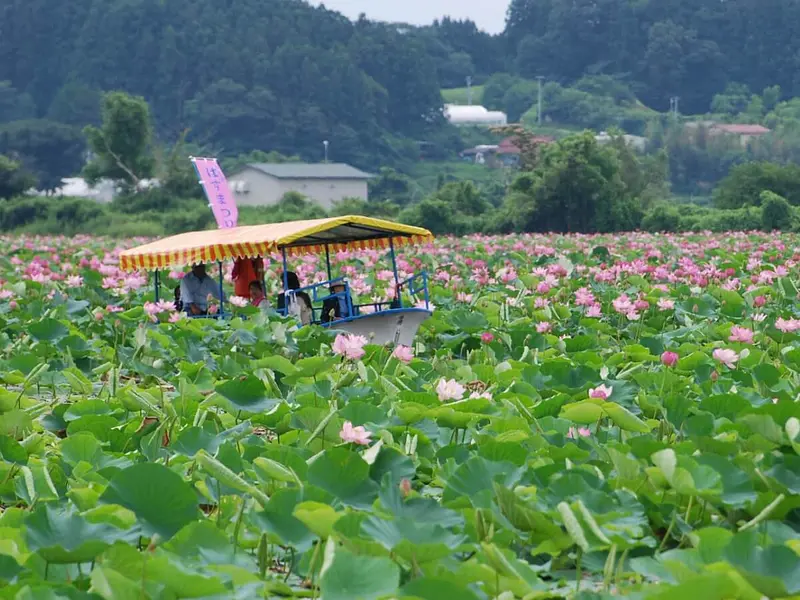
column 417, row 284
column 414, row 286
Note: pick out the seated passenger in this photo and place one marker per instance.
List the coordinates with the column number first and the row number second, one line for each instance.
column 257, row 297
column 335, row 307
column 195, row 290
column 299, row 302
column 244, row 271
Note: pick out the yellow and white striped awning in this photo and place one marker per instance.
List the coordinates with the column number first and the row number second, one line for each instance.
column 297, row 237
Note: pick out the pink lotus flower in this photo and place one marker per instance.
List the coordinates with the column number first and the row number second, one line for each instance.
column 13, row 305
column 584, row 297
column 759, row 301
column 595, row 311
column 669, row 359
column 355, row 435
column 601, row 391
column 177, row 316
column 112, row 308
column 623, row 304
column 727, row 357
column 403, row 354
column 487, row 337
column 449, row 389
column 581, row 431
column 741, row 334
column 665, row 304
column 74, row 281
column 6, row 294
column 544, row 327
column 151, row 309
column 476, row 395
column 787, row 326
column 238, row 301
column 349, row 346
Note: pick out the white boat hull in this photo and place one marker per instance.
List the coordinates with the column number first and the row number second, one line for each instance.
column 398, row 327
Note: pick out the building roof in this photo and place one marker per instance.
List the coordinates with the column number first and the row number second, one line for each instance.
column 310, row 171
column 459, row 113
column 742, row 129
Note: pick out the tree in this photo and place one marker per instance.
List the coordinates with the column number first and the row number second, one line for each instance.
column 50, row 151
column 575, row 187
column 14, row 181
column 519, row 98
column 390, row 185
column 76, row 104
column 122, row 145
column 745, row 184
column 732, row 101
column 776, row 213
column 457, row 208
column 14, row 105
column 176, row 174
column 529, row 144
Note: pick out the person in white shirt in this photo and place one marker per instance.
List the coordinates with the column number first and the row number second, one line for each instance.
column 195, row 289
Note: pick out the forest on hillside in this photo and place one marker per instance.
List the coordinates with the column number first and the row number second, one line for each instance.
column 283, row 76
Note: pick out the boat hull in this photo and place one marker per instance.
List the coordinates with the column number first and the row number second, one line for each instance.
column 397, row 326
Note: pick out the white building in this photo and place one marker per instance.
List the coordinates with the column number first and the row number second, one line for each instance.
column 264, row 184
column 474, row 115
column 636, row 142
column 104, row 191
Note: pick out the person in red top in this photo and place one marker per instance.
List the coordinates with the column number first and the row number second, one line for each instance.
column 245, row 271
column 257, row 297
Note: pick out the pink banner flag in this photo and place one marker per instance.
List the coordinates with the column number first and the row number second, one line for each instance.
column 220, row 199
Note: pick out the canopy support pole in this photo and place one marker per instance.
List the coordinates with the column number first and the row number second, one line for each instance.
column 394, row 269
column 221, row 291
column 285, row 272
column 157, row 284
column 328, row 261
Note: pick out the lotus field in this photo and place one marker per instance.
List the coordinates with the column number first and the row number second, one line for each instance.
column 581, row 417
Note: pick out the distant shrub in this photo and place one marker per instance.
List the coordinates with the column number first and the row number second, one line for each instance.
column 662, row 218
column 776, row 212
column 741, row 219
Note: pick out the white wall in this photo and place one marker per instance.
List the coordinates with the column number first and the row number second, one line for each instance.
column 265, row 190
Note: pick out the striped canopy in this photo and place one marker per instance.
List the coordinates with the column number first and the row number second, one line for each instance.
column 297, row 237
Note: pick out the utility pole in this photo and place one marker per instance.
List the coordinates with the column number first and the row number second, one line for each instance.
column 326, row 143
column 673, row 106
column 469, row 90
column 539, row 110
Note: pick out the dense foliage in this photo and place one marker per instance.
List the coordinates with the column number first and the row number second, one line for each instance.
column 295, row 76
column 614, row 416
column 682, row 48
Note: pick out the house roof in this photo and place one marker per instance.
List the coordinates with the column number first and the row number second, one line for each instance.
column 310, row 171
column 742, row 129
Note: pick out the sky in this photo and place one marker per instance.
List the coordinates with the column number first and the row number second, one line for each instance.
column 488, row 14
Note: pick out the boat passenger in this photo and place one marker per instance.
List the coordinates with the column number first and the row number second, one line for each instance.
column 335, row 307
column 196, row 287
column 257, row 297
column 244, row 271
column 299, row 302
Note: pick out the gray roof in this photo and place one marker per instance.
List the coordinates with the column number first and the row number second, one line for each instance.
column 310, row 171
